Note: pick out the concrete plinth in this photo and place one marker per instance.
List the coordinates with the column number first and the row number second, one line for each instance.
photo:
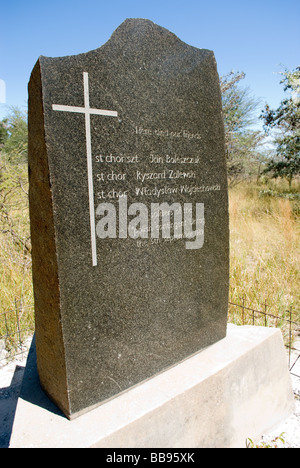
column 237, row 388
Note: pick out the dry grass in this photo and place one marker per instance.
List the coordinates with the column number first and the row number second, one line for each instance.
column 16, row 297
column 265, row 250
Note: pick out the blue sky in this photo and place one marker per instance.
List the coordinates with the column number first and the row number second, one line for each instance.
column 259, row 37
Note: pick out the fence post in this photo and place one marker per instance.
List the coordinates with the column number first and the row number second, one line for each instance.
column 18, row 326
column 243, row 311
column 290, row 337
column 266, row 312
column 6, row 325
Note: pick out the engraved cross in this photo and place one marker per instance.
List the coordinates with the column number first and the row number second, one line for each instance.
column 88, row 111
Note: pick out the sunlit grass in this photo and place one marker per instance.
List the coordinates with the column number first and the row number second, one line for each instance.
column 16, row 297
column 265, row 250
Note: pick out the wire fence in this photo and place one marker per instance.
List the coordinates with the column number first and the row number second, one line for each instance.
column 17, row 327
column 242, row 314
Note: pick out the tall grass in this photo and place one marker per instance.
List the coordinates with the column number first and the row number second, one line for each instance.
column 16, row 296
column 265, row 254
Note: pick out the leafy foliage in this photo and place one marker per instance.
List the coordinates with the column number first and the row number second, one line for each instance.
column 15, row 246
column 3, row 132
column 13, row 134
column 286, row 120
column 241, row 141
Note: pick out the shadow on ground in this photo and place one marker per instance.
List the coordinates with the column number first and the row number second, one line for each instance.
column 8, row 403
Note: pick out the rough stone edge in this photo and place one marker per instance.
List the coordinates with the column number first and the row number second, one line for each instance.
column 51, row 362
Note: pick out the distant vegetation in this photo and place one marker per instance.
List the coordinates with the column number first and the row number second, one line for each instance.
column 15, row 248
column 264, row 181
column 264, row 241
column 248, row 155
column 264, row 202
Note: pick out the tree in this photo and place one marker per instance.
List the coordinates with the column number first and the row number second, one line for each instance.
column 15, row 135
column 286, row 121
column 3, row 132
column 14, row 179
column 241, row 140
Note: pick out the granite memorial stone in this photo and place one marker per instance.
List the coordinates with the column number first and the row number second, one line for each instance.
column 129, row 213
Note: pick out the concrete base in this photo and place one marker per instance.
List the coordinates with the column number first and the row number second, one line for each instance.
column 237, row 388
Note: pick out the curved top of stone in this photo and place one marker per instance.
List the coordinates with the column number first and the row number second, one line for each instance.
column 145, row 37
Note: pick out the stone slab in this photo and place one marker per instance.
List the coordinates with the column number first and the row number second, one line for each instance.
column 237, row 388
column 124, row 142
